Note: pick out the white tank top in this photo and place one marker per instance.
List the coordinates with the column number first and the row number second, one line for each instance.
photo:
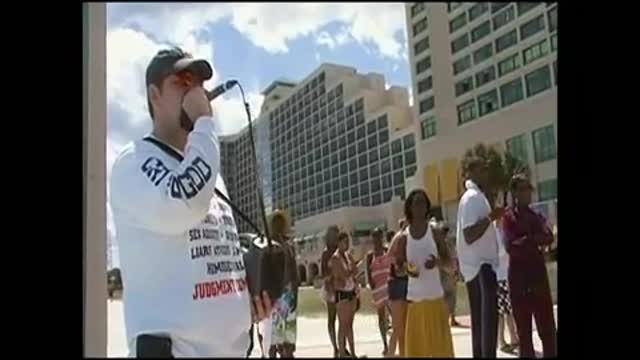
column 427, row 285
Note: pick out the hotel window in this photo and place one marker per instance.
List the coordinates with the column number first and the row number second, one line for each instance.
column 417, row 8
column 384, row 151
column 458, row 22
column 554, row 42
column 397, row 162
column 423, row 65
column 420, row 26
column 517, row 147
column 538, row 81
column 535, row 51
column 383, row 136
column 460, row 43
column 427, row 104
column 421, row 46
column 477, row 10
column 504, row 18
column 428, row 127
column 548, row 190
column 488, row 102
column 396, row 146
column 409, row 141
column 462, row 65
column 552, row 16
column 511, row 92
column 425, row 85
column 362, row 146
column 532, row 27
column 496, row 6
column 480, row 31
column 372, row 141
column 483, row 53
column 374, row 170
column 354, row 192
column 467, row 112
column 385, row 166
column 410, row 157
column 371, row 127
column 464, row 86
column 453, row 5
column 524, row 7
column 486, row 75
column 544, row 144
column 506, row 41
column 373, row 155
column 509, row 64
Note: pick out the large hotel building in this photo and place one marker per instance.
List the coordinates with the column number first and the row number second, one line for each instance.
column 484, row 72
column 340, row 148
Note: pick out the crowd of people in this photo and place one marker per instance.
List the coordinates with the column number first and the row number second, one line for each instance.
column 413, row 275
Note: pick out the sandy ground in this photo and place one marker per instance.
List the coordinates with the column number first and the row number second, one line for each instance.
column 312, row 336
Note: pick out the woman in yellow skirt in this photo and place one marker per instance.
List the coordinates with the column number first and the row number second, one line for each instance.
column 427, row 331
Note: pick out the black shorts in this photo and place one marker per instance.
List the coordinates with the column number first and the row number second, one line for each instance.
column 345, row 295
column 397, row 288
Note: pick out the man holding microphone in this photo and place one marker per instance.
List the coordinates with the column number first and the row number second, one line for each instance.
column 185, row 286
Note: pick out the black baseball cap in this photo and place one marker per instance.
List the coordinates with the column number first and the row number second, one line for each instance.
column 171, row 61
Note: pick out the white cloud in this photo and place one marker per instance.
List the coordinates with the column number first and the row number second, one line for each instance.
column 231, row 112
column 342, row 37
column 271, row 25
column 325, row 39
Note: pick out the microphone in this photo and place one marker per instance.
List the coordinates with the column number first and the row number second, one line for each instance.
column 220, row 89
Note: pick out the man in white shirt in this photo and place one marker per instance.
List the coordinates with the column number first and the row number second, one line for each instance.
column 478, row 257
column 185, row 288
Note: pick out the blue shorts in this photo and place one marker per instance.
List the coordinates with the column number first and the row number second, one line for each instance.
column 397, row 288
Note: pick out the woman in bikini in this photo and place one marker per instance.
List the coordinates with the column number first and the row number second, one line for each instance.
column 343, row 270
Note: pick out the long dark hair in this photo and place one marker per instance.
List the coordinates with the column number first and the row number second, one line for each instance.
column 409, row 201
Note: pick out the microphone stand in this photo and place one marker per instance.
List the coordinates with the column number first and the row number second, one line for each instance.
column 264, row 266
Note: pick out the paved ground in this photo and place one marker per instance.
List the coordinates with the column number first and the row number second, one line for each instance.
column 312, row 336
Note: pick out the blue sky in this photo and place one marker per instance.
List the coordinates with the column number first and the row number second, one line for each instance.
column 255, row 43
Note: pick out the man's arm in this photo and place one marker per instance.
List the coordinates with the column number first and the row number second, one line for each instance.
column 324, row 264
column 475, row 231
column 545, row 236
column 474, row 222
column 150, row 195
column 512, row 242
column 398, row 248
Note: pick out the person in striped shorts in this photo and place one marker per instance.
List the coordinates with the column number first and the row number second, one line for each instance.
column 378, row 267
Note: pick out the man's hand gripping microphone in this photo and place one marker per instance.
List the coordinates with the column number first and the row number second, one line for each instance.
column 187, row 81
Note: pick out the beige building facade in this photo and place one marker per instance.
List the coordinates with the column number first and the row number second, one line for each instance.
column 483, row 72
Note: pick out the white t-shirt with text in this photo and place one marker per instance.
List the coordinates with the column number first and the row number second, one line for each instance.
column 182, row 267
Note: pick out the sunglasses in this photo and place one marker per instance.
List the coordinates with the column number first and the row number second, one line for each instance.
column 187, row 79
